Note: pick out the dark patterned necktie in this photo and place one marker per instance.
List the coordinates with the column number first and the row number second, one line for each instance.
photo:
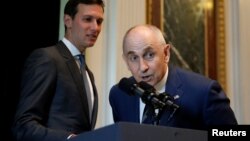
column 149, row 115
column 85, row 81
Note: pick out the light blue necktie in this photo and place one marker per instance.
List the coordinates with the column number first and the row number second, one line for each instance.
column 85, row 81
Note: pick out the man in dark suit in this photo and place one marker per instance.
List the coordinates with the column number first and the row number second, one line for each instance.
column 202, row 102
column 53, row 103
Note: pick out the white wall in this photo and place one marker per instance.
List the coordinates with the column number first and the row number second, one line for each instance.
column 238, row 50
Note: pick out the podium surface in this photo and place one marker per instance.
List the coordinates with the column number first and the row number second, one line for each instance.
column 124, row 131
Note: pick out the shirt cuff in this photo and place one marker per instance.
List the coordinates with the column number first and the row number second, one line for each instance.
column 70, row 136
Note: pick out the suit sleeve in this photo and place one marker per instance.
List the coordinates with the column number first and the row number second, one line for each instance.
column 38, row 83
column 217, row 107
column 112, row 103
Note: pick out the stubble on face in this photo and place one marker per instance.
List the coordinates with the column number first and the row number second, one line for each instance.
column 86, row 26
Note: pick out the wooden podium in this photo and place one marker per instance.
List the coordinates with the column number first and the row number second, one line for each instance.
column 124, row 131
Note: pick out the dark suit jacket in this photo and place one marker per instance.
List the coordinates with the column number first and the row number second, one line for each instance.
column 202, row 102
column 53, row 102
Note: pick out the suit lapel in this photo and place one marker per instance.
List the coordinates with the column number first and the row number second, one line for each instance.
column 95, row 108
column 75, row 73
column 174, row 85
column 72, row 66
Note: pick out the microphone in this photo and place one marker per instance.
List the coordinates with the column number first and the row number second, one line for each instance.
column 147, row 93
column 132, row 88
column 164, row 97
column 129, row 86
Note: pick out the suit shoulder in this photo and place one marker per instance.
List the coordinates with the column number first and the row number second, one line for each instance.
column 188, row 74
column 50, row 50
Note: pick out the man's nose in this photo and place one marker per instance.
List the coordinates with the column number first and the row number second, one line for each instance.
column 143, row 65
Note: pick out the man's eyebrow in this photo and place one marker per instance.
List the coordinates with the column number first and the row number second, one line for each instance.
column 148, row 48
column 130, row 53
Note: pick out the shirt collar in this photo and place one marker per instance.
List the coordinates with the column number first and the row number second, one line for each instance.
column 72, row 48
column 160, row 86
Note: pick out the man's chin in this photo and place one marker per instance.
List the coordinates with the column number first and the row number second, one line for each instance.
column 90, row 44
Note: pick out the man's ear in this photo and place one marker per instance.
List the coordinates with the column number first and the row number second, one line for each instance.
column 125, row 60
column 167, row 48
column 67, row 21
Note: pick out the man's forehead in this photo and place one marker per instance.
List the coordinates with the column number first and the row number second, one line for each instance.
column 138, row 50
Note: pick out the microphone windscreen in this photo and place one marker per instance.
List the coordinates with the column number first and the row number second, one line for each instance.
column 126, row 85
column 146, row 86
